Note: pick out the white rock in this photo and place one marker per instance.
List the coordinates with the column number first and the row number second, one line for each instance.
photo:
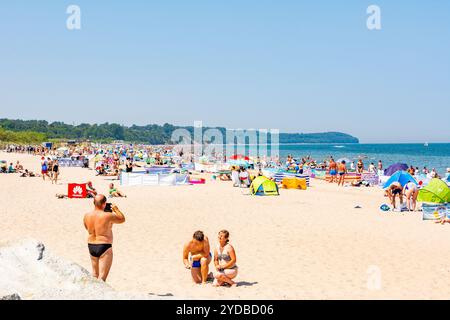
column 29, row 271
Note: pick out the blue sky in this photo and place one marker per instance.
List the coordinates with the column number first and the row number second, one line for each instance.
column 298, row 66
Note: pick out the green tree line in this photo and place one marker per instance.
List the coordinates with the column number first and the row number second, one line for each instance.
column 29, row 131
column 22, row 137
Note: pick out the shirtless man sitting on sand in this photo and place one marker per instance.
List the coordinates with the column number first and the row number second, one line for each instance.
column 99, row 224
column 198, row 247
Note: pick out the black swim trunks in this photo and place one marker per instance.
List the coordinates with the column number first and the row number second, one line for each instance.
column 97, row 250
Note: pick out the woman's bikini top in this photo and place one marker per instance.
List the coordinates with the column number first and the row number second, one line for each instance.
column 223, row 256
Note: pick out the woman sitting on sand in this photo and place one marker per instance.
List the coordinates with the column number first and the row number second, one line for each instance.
column 18, row 166
column 11, row 168
column 114, row 192
column 225, row 261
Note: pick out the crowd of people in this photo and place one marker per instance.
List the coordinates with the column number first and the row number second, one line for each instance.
column 197, row 252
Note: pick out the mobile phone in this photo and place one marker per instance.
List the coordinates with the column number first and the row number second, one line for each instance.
column 108, row 207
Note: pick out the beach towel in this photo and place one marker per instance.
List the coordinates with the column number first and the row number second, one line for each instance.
column 279, row 176
column 294, row 183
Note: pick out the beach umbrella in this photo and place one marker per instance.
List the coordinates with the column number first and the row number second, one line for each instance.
column 239, row 157
column 400, row 176
column 394, row 168
column 436, row 191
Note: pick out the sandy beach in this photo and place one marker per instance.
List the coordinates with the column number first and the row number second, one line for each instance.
column 309, row 244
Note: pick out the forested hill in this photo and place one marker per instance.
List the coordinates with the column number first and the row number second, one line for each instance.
column 34, row 130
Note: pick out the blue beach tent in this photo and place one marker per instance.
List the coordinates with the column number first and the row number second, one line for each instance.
column 400, row 176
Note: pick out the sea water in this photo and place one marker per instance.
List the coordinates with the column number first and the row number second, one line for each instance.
column 435, row 155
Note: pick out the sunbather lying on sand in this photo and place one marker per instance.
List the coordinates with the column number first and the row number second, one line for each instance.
column 443, row 221
column 27, row 173
column 225, row 177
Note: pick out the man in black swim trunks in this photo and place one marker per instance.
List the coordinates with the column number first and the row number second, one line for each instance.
column 99, row 224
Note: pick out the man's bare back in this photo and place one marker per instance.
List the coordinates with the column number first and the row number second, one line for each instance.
column 99, row 226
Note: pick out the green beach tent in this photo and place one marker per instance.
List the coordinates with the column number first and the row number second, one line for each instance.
column 263, row 186
column 436, row 191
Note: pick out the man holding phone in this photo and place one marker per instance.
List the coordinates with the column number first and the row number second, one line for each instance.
column 99, row 224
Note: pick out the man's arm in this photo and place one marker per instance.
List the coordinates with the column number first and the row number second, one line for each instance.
column 117, row 215
column 206, row 248
column 186, row 256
